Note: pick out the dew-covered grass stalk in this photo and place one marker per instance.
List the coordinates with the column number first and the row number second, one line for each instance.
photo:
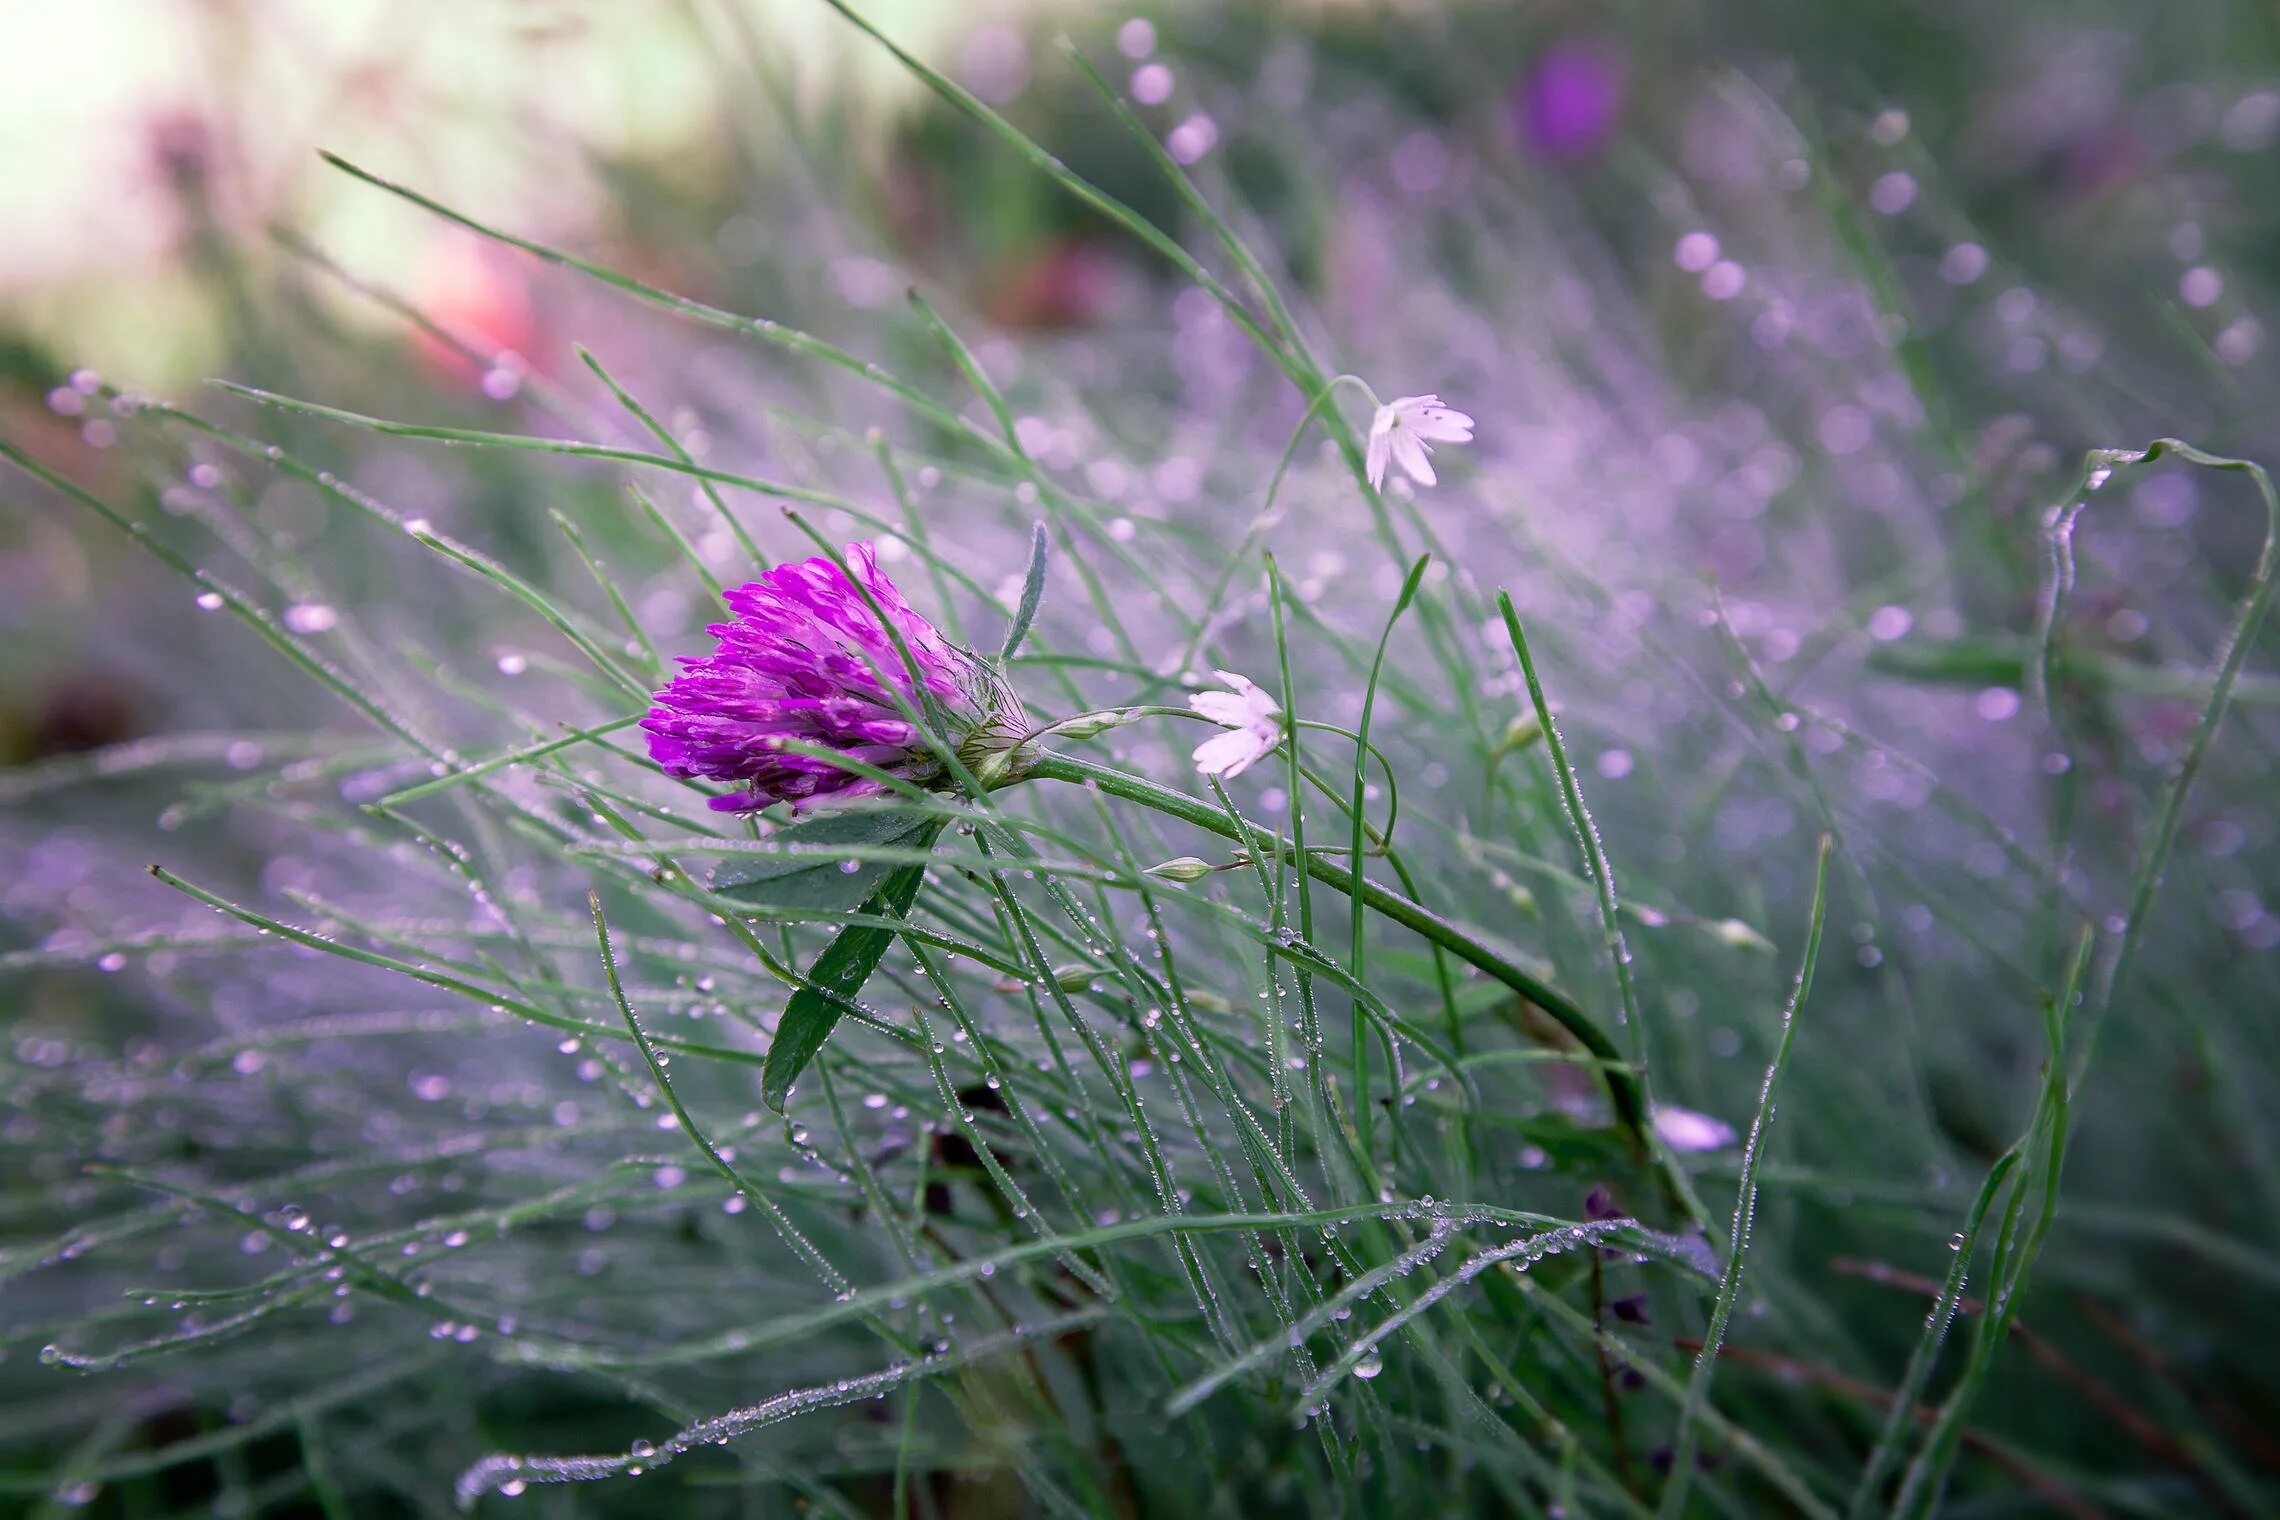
column 1745, row 1206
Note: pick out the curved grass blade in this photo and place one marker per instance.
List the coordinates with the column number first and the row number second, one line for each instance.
column 805, row 344
column 808, row 866
column 666, row 436
column 1076, row 184
column 2232, row 654
column 839, row 973
column 1460, row 940
column 785, row 1229
column 1745, row 1211
column 1355, row 963
column 1602, row 880
column 513, row 757
column 2042, row 1151
column 1032, row 592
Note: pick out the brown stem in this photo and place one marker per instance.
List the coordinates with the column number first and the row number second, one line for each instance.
column 2253, row 1437
column 2140, row 1426
column 1789, row 1369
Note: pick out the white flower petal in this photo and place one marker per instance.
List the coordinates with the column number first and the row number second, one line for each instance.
column 1401, row 430
column 1231, row 753
column 1374, row 462
column 1223, row 707
column 1236, row 681
column 1409, row 452
column 1252, row 717
column 1444, row 426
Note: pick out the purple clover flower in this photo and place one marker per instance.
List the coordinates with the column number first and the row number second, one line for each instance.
column 807, row 659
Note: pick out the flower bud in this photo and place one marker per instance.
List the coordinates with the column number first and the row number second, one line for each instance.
column 1087, row 725
column 1741, row 936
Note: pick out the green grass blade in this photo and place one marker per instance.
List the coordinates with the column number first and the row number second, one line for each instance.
column 1688, row 1435
column 1032, row 593
column 840, row 973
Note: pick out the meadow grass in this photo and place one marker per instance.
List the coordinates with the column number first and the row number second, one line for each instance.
column 1137, row 1142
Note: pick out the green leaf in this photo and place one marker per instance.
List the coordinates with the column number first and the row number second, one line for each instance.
column 837, row 975
column 812, row 873
column 1032, row 592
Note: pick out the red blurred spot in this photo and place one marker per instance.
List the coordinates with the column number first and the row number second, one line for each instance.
column 476, row 296
column 1063, row 284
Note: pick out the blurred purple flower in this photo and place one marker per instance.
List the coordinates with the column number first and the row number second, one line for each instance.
column 1682, row 1129
column 1567, row 105
column 808, row 660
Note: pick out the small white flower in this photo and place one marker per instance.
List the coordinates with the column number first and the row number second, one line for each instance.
column 1401, row 430
column 1254, row 723
column 1682, row 1129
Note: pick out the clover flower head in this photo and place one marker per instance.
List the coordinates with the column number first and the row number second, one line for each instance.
column 1253, row 719
column 1402, row 431
column 807, row 660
